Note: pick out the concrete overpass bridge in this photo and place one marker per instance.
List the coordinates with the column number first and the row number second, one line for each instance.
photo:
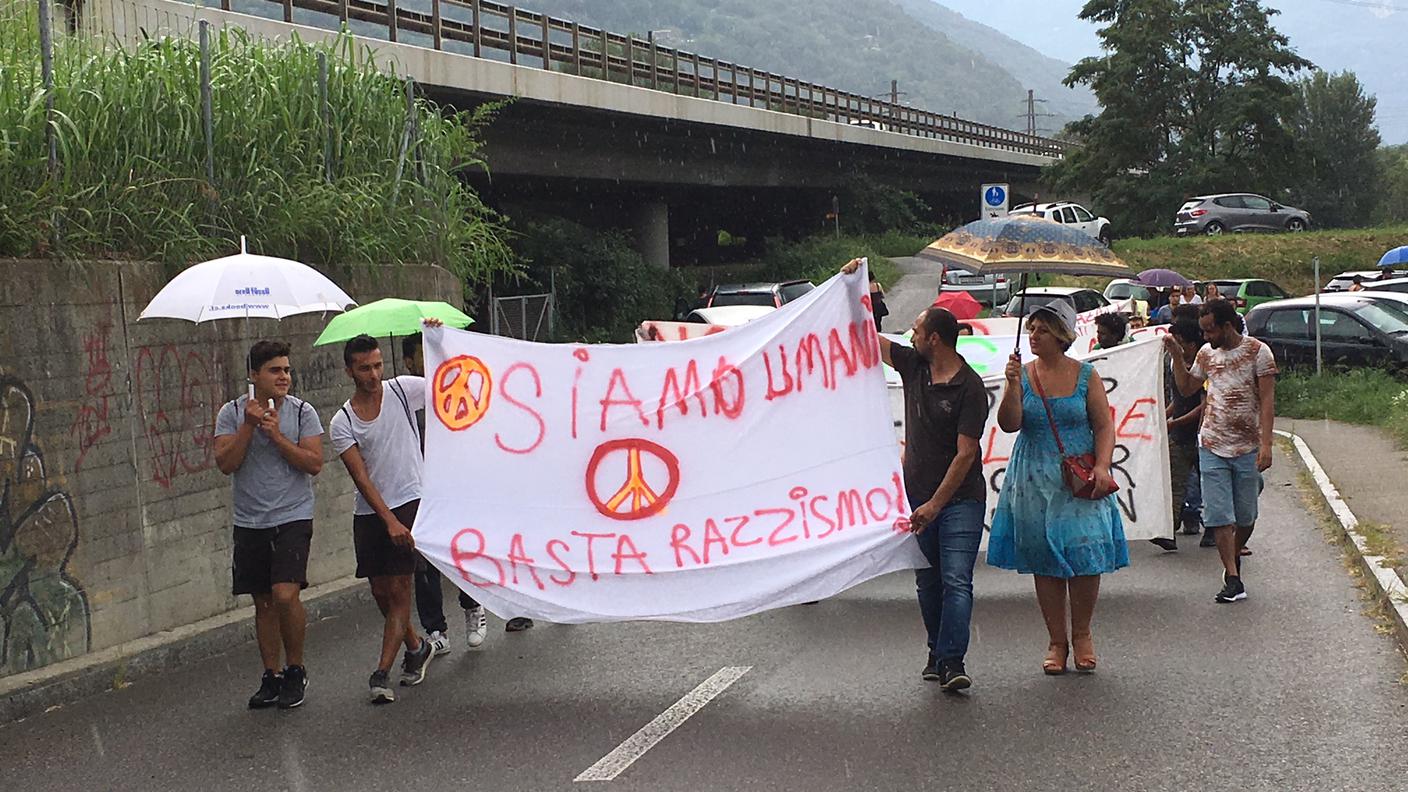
column 672, row 143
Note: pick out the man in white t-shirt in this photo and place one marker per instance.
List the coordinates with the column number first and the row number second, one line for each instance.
column 1234, row 443
column 376, row 436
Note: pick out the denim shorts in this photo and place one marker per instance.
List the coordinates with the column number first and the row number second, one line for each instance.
column 1230, row 489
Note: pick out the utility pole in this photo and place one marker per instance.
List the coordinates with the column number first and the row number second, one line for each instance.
column 1031, row 115
column 894, row 92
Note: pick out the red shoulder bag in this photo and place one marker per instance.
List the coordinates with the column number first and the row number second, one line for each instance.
column 1077, row 471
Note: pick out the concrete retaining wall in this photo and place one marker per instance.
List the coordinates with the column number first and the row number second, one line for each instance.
column 114, row 521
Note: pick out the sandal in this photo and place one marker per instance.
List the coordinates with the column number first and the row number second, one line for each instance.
column 1055, row 662
column 1085, row 653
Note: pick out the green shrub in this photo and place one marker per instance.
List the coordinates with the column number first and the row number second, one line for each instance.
column 1371, row 397
column 604, row 288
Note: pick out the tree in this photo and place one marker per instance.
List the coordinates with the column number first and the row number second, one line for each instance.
column 1393, row 204
column 1337, row 150
column 1193, row 96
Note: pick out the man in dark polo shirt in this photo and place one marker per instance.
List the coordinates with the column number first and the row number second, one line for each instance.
column 945, row 410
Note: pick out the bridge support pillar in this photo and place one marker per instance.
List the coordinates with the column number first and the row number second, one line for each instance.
column 651, row 223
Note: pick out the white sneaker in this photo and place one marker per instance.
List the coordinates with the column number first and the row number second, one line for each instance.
column 476, row 627
column 439, row 644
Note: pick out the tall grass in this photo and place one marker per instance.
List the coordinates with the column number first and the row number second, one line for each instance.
column 1370, row 397
column 132, row 180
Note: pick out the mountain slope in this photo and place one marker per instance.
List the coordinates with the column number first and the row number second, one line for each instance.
column 1031, row 68
column 855, row 45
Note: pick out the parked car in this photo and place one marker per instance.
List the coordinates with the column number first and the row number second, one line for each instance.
column 979, row 287
column 1214, row 214
column 1082, row 299
column 1124, row 289
column 1344, row 280
column 1071, row 214
column 1399, row 285
column 728, row 315
column 1354, row 331
column 772, row 294
column 1248, row 293
column 1396, row 302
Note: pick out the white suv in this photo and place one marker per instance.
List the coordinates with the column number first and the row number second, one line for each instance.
column 1071, row 214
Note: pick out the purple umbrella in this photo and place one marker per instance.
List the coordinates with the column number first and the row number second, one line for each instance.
column 1162, row 279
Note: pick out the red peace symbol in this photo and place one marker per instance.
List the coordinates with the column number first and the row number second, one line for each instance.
column 636, row 493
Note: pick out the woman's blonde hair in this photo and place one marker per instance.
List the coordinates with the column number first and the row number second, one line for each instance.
column 1064, row 335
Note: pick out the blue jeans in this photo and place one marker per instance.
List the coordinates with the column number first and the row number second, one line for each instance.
column 950, row 543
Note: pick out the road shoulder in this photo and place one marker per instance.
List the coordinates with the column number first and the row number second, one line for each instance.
column 1339, row 459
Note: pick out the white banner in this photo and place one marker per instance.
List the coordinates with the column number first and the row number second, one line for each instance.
column 701, row 480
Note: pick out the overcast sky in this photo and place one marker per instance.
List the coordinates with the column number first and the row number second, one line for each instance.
column 1365, row 36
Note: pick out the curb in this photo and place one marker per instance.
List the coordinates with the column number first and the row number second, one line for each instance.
column 1387, row 585
column 33, row 692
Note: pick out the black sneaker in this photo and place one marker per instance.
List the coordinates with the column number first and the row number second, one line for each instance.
column 1168, row 545
column 414, row 665
column 1232, row 589
column 268, row 694
column 954, row 678
column 1209, row 538
column 381, row 688
column 1191, row 527
column 294, row 686
column 518, row 624
column 931, row 670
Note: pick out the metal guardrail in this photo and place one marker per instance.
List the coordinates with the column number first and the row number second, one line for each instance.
column 489, row 28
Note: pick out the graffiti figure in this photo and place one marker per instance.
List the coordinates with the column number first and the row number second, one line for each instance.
column 44, row 613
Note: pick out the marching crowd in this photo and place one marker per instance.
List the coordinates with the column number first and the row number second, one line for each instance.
column 1056, row 517
column 271, row 444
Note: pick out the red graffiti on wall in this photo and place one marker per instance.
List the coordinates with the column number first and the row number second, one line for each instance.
column 90, row 423
column 178, row 396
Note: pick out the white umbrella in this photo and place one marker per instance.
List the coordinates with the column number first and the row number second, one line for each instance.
column 246, row 286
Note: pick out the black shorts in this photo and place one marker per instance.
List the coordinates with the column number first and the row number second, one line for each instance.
column 377, row 555
column 265, row 556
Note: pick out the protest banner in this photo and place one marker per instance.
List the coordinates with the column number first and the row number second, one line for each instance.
column 674, row 331
column 699, row 480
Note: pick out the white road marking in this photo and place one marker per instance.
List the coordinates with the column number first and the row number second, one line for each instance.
column 635, row 746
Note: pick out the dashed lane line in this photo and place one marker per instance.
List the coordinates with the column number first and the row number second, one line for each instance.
column 635, row 746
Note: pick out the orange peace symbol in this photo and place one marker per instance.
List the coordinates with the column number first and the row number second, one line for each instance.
column 456, row 405
column 636, row 493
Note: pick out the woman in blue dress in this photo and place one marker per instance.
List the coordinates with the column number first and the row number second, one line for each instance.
column 1039, row 527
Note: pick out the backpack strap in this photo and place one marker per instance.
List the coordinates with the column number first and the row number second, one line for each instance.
column 351, row 427
column 405, row 405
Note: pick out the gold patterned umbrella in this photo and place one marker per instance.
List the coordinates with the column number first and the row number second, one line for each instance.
column 1025, row 244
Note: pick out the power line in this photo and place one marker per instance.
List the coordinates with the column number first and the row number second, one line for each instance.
column 1379, row 5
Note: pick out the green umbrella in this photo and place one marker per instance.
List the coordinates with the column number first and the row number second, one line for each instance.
column 390, row 317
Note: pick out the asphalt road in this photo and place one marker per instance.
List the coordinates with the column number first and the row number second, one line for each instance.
column 1292, row 689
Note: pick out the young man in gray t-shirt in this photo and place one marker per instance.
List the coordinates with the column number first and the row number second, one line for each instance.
column 272, row 444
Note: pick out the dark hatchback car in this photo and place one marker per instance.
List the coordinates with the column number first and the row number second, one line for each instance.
column 1355, row 331
column 771, row 294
